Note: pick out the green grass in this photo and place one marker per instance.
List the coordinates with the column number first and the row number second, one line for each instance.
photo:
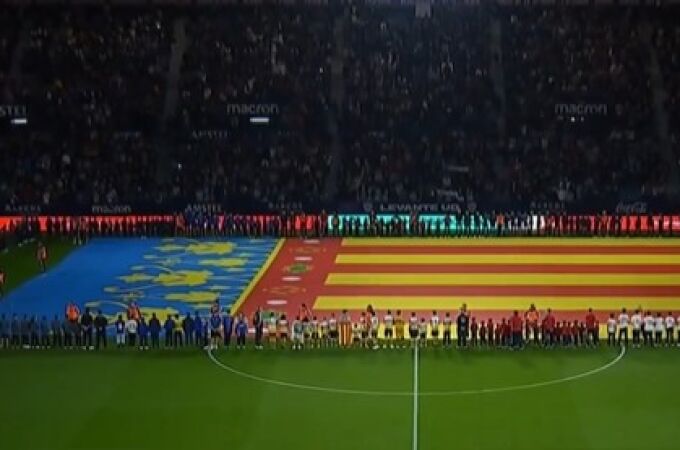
column 20, row 264
column 182, row 400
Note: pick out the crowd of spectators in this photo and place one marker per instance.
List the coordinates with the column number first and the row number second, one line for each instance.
column 93, row 86
column 277, row 59
column 597, row 58
column 8, row 38
column 440, row 108
column 418, row 90
column 667, row 43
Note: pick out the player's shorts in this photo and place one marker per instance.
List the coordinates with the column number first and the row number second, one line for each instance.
column 364, row 334
column 298, row 337
column 435, row 333
column 388, row 333
column 356, row 339
column 283, row 335
column 413, row 333
column 423, row 335
column 315, row 335
column 214, row 334
column 306, row 335
column 333, row 334
column 374, row 334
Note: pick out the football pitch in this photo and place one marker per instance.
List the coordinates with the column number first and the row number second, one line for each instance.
column 433, row 398
column 339, row 399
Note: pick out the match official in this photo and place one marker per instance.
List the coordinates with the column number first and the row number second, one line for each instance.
column 100, row 324
column 462, row 324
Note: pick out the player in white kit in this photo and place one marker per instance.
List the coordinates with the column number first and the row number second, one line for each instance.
column 434, row 328
column 670, row 329
column 623, row 327
column 388, row 332
column 648, row 329
column 374, row 323
column 659, row 326
column 611, row 330
column 636, row 322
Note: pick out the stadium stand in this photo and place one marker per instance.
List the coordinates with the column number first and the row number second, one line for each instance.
column 492, row 108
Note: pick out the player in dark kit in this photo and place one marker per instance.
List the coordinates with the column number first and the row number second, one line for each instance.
column 462, row 323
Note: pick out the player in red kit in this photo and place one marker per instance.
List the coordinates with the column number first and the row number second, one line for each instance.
column 474, row 331
column 505, row 333
column 482, row 333
column 591, row 328
column 490, row 330
column 565, row 333
column 549, row 329
column 516, row 325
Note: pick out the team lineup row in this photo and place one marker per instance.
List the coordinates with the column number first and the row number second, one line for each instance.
column 306, row 330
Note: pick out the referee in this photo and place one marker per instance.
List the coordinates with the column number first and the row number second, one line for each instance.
column 462, row 324
column 100, row 324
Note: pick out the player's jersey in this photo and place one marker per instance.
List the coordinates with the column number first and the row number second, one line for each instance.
column 636, row 321
column 670, row 322
column 323, row 327
column 314, row 325
column 611, row 325
column 356, row 331
column 422, row 328
column 362, row 324
column 447, row 323
column 297, row 327
column 649, row 323
column 333, row 324
column 283, row 326
column 389, row 321
column 375, row 323
column 658, row 324
column 307, row 328
column 623, row 321
column 413, row 323
column 215, row 322
column 271, row 324
column 434, row 322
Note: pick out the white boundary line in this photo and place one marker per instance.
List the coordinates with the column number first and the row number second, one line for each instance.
column 415, row 398
column 311, row 387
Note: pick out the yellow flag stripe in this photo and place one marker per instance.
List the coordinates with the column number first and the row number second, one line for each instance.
column 334, row 303
column 384, row 258
column 501, row 279
column 508, row 241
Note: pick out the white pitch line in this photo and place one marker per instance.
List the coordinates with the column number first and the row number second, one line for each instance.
column 330, row 390
column 415, row 398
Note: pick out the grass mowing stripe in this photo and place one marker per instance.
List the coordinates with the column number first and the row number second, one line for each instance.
column 415, row 398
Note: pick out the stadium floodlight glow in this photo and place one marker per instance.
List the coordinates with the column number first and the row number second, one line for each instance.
column 19, row 121
column 259, row 120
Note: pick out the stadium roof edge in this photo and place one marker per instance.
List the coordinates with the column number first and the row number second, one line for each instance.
column 525, row 3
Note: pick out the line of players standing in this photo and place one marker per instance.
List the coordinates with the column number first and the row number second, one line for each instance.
column 514, row 332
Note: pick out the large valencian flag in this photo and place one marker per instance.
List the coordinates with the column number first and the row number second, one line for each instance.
column 492, row 275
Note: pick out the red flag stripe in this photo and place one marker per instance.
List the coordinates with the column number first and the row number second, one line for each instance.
column 508, row 268
column 517, row 250
column 533, row 291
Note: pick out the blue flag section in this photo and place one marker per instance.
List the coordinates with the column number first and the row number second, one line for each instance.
column 163, row 276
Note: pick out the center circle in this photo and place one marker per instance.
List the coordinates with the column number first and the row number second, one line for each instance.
column 564, row 376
